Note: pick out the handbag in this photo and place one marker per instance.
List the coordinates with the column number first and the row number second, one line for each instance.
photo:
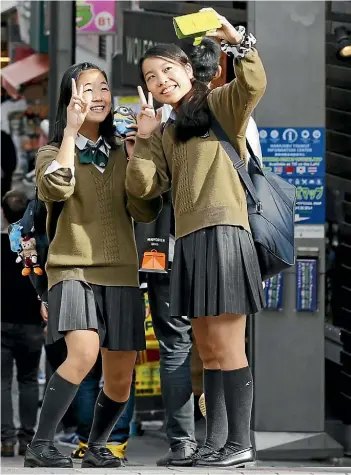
column 154, row 261
column 271, row 205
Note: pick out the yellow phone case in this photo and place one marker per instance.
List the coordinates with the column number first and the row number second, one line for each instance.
column 196, row 25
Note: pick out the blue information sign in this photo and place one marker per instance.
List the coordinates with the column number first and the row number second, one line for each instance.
column 297, row 154
column 310, row 200
column 306, row 285
column 274, row 292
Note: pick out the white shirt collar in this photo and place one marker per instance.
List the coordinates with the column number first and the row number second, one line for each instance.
column 81, row 142
column 173, row 115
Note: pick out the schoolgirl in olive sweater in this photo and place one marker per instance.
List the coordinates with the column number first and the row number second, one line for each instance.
column 215, row 278
column 94, row 298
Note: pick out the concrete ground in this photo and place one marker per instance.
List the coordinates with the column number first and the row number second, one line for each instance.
column 143, row 451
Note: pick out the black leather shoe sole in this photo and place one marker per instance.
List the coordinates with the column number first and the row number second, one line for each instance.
column 243, row 459
column 34, row 464
column 180, row 462
column 107, row 464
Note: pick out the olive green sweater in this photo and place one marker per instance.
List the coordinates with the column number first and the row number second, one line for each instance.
column 206, row 189
column 94, row 240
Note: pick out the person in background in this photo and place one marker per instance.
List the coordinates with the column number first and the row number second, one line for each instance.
column 22, row 337
column 175, row 340
column 8, row 162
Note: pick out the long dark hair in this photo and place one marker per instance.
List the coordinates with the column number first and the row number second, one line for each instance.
column 193, row 115
column 106, row 128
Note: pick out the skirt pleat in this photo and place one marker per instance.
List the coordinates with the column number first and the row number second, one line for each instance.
column 216, row 271
column 116, row 313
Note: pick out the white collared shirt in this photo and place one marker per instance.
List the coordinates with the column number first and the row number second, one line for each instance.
column 81, row 142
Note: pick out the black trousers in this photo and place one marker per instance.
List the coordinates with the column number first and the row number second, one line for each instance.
column 175, row 338
column 21, row 343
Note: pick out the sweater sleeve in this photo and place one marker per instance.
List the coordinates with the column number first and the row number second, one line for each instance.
column 233, row 103
column 144, row 211
column 55, row 186
column 147, row 172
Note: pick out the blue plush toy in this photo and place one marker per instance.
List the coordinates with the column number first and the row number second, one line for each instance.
column 15, row 235
column 122, row 117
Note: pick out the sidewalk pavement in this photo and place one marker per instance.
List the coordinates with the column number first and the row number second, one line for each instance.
column 145, row 450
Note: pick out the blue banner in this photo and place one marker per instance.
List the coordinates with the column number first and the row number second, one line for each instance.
column 306, row 285
column 310, row 202
column 274, row 292
column 297, row 154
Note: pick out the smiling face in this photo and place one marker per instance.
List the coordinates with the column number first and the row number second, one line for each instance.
column 167, row 80
column 96, row 90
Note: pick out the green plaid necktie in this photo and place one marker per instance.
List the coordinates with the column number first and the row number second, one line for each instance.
column 93, row 154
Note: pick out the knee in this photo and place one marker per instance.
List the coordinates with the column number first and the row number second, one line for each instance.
column 208, row 355
column 82, row 362
column 232, row 355
column 118, row 386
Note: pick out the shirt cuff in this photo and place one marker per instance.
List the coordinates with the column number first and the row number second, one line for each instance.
column 55, row 165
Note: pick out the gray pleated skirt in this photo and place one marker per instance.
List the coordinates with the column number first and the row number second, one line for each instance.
column 215, row 271
column 117, row 313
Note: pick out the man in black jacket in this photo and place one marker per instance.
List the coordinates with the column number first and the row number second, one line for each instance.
column 175, row 339
column 8, row 162
column 22, row 338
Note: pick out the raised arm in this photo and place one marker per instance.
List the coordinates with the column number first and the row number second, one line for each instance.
column 147, row 171
column 233, row 103
column 55, row 166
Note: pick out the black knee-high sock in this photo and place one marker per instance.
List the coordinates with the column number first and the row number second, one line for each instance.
column 238, row 393
column 58, row 396
column 106, row 414
column 216, row 414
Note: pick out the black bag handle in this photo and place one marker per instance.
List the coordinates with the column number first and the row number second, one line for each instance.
column 238, row 163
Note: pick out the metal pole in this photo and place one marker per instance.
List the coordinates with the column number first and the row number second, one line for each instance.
column 62, row 48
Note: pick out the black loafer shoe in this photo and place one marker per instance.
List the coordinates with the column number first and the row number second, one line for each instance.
column 46, row 456
column 203, row 453
column 227, row 457
column 178, row 458
column 100, row 457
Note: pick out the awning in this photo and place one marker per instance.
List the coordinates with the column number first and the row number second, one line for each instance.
column 7, row 5
column 22, row 72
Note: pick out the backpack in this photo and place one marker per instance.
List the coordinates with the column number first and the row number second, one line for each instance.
column 33, row 225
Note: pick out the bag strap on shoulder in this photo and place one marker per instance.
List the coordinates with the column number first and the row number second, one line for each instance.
column 238, row 163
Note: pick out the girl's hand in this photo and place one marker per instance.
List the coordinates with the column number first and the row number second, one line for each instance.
column 77, row 109
column 227, row 32
column 130, row 139
column 147, row 119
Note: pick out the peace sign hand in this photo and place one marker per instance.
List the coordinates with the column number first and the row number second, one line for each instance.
column 147, row 119
column 78, row 108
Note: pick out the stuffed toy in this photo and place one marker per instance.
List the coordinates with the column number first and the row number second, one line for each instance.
column 122, row 117
column 28, row 256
